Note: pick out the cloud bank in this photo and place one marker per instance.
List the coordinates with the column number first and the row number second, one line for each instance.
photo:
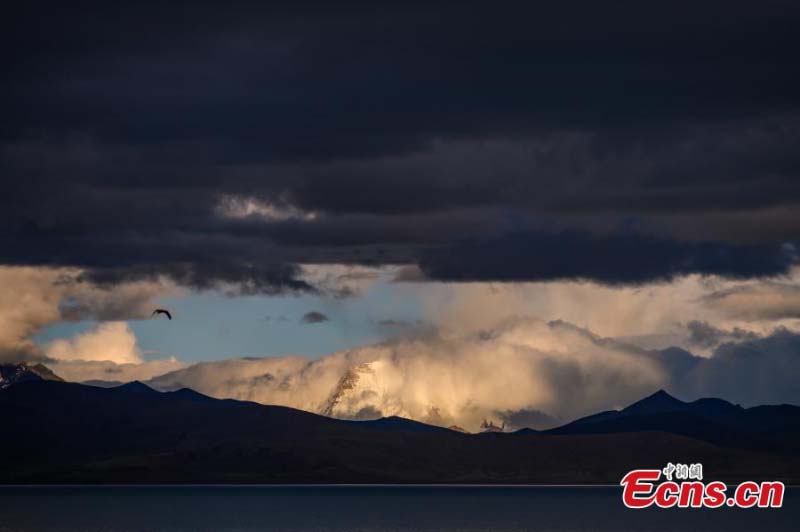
column 33, row 298
column 524, row 372
column 539, row 354
column 533, row 354
column 633, row 143
column 112, row 341
column 108, row 372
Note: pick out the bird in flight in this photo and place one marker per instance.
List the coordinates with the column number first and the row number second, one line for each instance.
column 161, row 311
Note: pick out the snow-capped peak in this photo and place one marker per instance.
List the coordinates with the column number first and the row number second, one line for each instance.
column 11, row 374
column 360, row 394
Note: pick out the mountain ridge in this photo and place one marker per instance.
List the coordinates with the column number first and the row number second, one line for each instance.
column 708, row 419
column 69, row 432
column 11, row 374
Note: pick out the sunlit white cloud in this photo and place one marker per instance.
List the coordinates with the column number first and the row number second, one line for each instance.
column 757, row 302
column 346, row 280
column 111, row 372
column 524, row 372
column 240, row 207
column 524, row 365
column 523, row 353
column 654, row 315
column 540, row 352
column 34, row 297
column 111, row 341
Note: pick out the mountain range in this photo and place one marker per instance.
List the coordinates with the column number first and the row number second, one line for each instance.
column 770, row 428
column 60, row 432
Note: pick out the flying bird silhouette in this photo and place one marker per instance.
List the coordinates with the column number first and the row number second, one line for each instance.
column 161, row 311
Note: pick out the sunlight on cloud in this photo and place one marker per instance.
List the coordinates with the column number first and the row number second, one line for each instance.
column 34, row 297
column 240, row 207
column 757, row 301
column 111, row 372
column 524, row 365
column 345, row 280
column 525, row 372
column 529, row 354
column 655, row 315
column 111, row 341
column 533, row 353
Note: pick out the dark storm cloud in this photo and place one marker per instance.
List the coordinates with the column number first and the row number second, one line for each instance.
column 760, row 371
column 705, row 335
column 246, row 279
column 314, row 317
column 613, row 260
column 402, row 127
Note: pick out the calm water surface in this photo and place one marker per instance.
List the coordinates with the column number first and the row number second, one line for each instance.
column 366, row 508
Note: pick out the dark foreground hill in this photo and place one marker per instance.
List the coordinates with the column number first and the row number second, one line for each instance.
column 65, row 432
column 764, row 428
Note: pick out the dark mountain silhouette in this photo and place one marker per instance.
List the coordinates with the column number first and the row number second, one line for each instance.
column 135, row 387
column 400, row 424
column 770, row 428
column 57, row 432
column 657, row 403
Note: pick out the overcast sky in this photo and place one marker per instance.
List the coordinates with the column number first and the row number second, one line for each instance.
column 521, row 141
column 306, row 177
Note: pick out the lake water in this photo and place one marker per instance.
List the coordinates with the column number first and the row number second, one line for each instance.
column 366, row 508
